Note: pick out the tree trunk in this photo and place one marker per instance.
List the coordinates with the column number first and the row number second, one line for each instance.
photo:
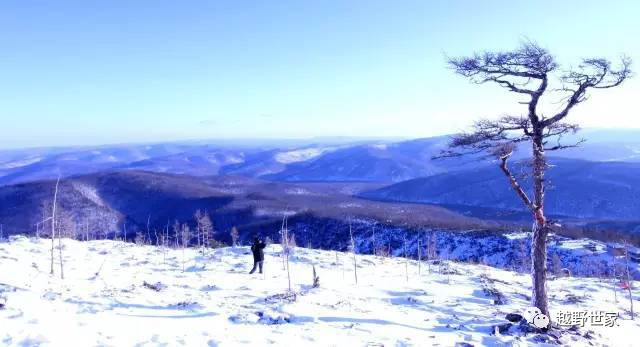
column 148, row 233
column 539, row 297
column 373, row 242
column 283, row 240
column 615, row 293
column 406, row 257
column 419, row 256
column 60, row 254
column 539, row 269
column 353, row 250
column 53, row 222
column 629, row 279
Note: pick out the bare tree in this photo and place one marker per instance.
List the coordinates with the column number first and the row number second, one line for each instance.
column 53, row 221
column 166, row 234
column 235, row 235
column 628, row 278
column 373, row 239
column 527, row 71
column 155, row 235
column 419, row 255
column 176, row 233
column 163, row 247
column 148, row 239
column 186, row 238
column 430, row 249
column 291, row 246
column 353, row 251
column 139, row 238
column 614, row 277
column 406, row 256
column 199, row 234
column 284, row 240
column 288, row 243
column 206, row 225
column 67, row 227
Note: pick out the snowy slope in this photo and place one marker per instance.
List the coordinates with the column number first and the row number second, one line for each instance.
column 576, row 188
column 303, row 154
column 215, row 302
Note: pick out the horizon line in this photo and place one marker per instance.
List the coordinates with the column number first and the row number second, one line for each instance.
column 207, row 140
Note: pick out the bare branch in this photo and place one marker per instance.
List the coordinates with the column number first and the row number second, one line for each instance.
column 488, row 136
column 504, row 156
column 512, row 86
column 592, row 73
column 559, row 146
column 529, row 61
column 560, row 128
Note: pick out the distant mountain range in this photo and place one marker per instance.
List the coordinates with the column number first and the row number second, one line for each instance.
column 576, row 188
column 107, row 187
column 42, row 163
column 325, row 160
column 112, row 202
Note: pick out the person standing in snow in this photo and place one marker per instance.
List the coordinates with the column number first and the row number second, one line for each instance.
column 257, row 248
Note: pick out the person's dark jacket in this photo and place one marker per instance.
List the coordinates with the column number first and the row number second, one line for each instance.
column 257, row 248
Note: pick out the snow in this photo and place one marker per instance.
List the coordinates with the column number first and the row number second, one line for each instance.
column 508, row 250
column 216, row 302
column 20, row 163
column 349, row 205
column 299, row 155
column 89, row 192
column 263, row 211
column 233, row 159
column 297, row 191
column 517, row 236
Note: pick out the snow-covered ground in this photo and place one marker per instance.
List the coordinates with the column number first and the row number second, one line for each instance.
column 20, row 163
column 216, row 302
column 299, row 155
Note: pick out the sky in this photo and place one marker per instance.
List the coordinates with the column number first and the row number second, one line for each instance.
column 95, row 72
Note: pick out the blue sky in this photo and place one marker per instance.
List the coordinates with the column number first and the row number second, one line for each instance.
column 91, row 72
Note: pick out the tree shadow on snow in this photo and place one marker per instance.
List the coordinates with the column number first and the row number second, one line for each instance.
column 407, row 293
column 300, row 319
column 189, row 311
column 195, row 315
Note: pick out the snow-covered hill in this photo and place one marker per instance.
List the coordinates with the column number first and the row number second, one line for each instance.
column 576, row 188
column 315, row 159
column 120, row 294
